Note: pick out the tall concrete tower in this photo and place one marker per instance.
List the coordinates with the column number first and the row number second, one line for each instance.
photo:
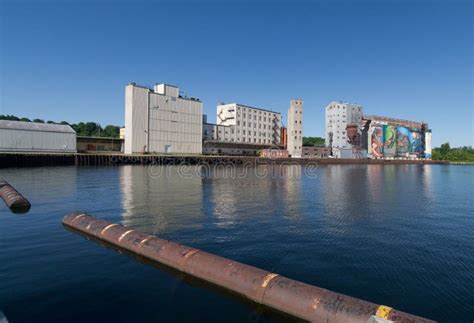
column 295, row 128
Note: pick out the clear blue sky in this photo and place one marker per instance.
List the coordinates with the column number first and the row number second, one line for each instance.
column 70, row 60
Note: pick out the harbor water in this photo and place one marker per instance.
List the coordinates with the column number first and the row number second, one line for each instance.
column 399, row 235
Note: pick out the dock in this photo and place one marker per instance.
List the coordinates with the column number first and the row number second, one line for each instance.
column 108, row 159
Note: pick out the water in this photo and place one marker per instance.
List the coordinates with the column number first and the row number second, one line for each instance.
column 394, row 235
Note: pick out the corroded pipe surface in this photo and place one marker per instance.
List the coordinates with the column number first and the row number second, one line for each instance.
column 13, row 199
column 284, row 294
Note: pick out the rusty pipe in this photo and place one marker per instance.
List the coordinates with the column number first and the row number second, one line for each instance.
column 298, row 299
column 13, row 199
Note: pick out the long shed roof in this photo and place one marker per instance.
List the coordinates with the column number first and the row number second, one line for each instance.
column 34, row 126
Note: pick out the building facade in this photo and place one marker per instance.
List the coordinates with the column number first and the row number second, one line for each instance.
column 99, row 144
column 295, row 128
column 244, row 124
column 36, row 137
column 316, row 152
column 343, row 133
column 159, row 120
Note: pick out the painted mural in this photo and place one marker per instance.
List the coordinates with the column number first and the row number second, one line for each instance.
column 403, row 141
column 377, row 141
column 389, row 141
column 415, row 142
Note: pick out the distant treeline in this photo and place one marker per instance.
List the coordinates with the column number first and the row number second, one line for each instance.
column 461, row 154
column 313, row 141
column 90, row 129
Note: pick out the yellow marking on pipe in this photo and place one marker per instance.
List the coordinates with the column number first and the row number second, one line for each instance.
column 140, row 245
column 123, row 235
column 108, row 227
column 315, row 303
column 77, row 217
column 268, row 278
column 383, row 312
column 190, row 253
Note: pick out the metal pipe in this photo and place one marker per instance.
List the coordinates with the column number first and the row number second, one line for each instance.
column 284, row 294
column 13, row 199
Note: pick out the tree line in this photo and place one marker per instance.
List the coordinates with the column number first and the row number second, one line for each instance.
column 460, row 154
column 88, row 129
column 313, row 141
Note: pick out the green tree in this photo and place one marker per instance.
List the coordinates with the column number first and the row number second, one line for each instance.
column 111, row 131
column 444, row 149
column 313, row 141
column 9, row 117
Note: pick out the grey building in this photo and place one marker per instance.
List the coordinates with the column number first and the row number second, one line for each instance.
column 22, row 136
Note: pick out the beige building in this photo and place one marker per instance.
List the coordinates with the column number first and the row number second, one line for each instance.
column 295, row 128
column 159, row 120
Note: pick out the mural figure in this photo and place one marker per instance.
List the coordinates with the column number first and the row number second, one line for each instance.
column 389, row 141
column 415, row 142
column 403, row 141
column 377, row 142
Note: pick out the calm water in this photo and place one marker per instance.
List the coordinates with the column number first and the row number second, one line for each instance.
column 396, row 235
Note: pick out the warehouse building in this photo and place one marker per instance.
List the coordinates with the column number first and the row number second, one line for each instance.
column 160, row 120
column 99, row 144
column 316, row 152
column 246, row 124
column 16, row 136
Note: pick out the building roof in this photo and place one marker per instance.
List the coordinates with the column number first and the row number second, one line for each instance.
column 153, row 91
column 403, row 122
column 102, row 139
column 34, row 126
column 249, row 107
column 343, row 103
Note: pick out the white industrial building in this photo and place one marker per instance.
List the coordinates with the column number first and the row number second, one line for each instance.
column 160, row 120
column 244, row 124
column 19, row 136
column 341, row 117
column 295, row 128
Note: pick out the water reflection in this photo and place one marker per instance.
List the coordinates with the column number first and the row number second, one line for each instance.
column 158, row 202
column 166, row 198
column 346, row 190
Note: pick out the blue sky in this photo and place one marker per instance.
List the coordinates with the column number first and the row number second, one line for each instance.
column 70, row 60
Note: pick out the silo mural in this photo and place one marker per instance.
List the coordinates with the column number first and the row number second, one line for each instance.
column 415, row 142
column 403, row 141
column 389, row 141
column 376, row 142
column 385, row 137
